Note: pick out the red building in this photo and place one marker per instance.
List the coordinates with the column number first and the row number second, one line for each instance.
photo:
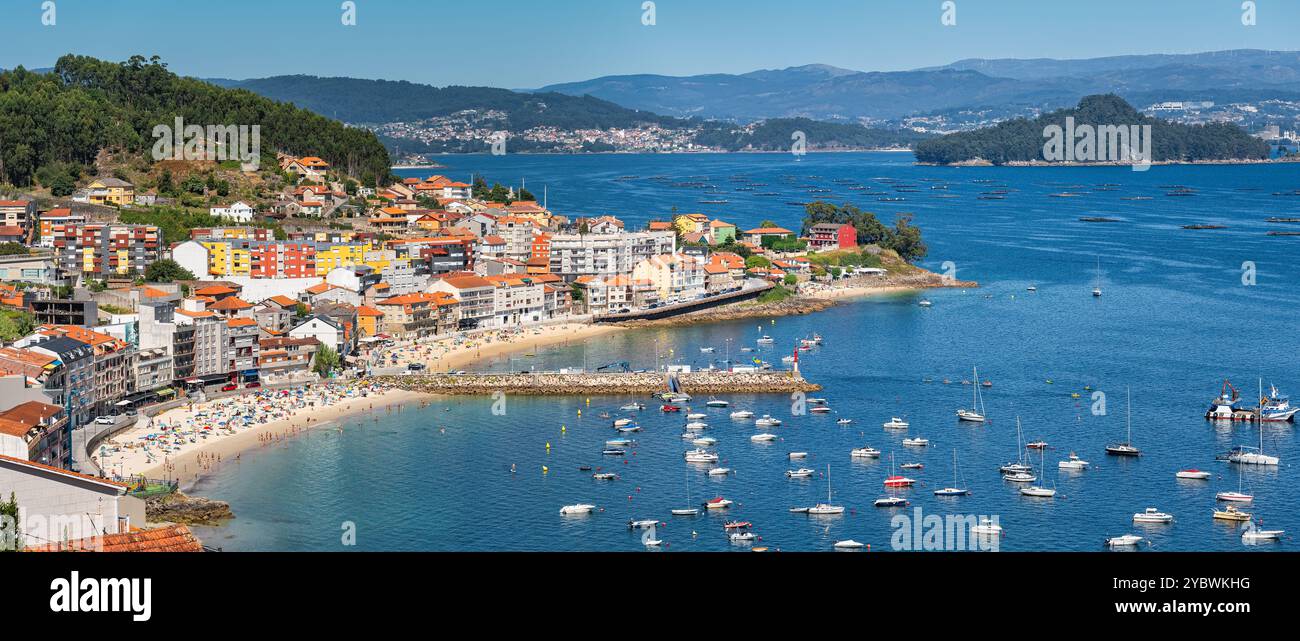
column 282, row 260
column 824, row 236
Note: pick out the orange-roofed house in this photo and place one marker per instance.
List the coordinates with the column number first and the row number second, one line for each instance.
column 231, row 307
column 420, row 314
column 370, row 321
column 757, row 234
column 167, row 538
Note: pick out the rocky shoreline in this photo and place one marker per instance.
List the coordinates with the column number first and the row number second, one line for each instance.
column 188, row 510
column 594, row 384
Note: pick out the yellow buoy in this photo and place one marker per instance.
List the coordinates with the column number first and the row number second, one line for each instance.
column 589, row 402
column 548, row 446
column 545, row 469
column 579, row 412
column 563, row 429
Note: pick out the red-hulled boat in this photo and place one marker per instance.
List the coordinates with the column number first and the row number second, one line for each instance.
column 670, row 408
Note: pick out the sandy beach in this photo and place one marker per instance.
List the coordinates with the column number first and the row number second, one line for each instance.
column 457, row 352
column 185, row 443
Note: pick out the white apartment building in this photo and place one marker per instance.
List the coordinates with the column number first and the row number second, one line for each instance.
column 674, row 276
column 574, row 255
column 240, row 212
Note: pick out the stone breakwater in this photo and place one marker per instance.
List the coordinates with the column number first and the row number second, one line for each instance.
column 603, row 384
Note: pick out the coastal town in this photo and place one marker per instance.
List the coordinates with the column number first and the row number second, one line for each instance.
column 129, row 351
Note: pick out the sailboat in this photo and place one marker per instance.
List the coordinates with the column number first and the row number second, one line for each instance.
column 1019, row 470
column 1235, row 497
column 827, row 508
column 1248, row 455
column 1096, row 291
column 976, row 412
column 1126, row 448
column 1038, row 490
column 687, row 511
column 954, row 490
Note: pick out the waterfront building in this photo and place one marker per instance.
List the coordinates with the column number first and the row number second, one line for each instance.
column 574, row 255
column 676, row 277
column 476, row 294
column 517, row 300
column 831, row 236
column 286, row 358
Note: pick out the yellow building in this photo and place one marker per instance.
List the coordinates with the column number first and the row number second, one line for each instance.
column 691, row 223
column 225, row 259
column 340, row 255
column 111, row 191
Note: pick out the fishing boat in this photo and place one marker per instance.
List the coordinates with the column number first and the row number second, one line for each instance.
column 767, row 421
column 1192, row 473
column 742, row 414
column 1125, row 541
column 1276, row 407
column 1096, row 290
column 717, row 503
column 1126, row 448
column 896, row 480
column 801, row 473
column 1227, row 406
column 1152, row 515
column 895, row 423
column 763, row 437
column 714, row 402
column 976, row 412
column 605, row 476
column 719, row 471
column 577, row 508
column 865, row 452
column 1073, row 463
column 701, row 455
column 955, row 489
column 848, row 544
column 1232, row 513
column 916, row 442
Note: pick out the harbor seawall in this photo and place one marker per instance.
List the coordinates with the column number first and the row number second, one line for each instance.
column 594, row 384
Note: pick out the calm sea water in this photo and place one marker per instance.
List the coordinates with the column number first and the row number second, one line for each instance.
column 1175, row 320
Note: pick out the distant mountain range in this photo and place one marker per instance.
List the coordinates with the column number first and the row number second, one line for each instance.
column 830, row 93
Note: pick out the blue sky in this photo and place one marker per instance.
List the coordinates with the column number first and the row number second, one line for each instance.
column 530, row 43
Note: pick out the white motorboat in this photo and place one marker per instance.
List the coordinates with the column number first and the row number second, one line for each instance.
column 916, row 442
column 697, row 426
column 844, row 421
column 865, row 452
column 619, row 442
column 742, row 414
column 632, row 407
column 641, row 524
column 1152, row 515
column 819, row 409
column 718, row 503
column 705, row 441
column 763, row 438
column 986, row 527
column 686, row 511
column 848, row 544
column 720, row 471
column 1252, row 535
column 713, row 402
column 613, row 451
column 766, row 340
column 1125, row 541
column 895, row 423
column 605, row 476
column 1073, row 463
column 701, row 456
column 577, row 508
column 767, row 421
column 816, row 401
column 1020, row 477
column 890, row 501
column 1041, row 492
column 742, row 537
column 622, row 422
column 795, row 455
column 628, row 429
column 695, row 416
column 1096, row 290
column 976, row 412
column 1193, row 473
column 707, row 350
column 925, row 303
column 801, row 473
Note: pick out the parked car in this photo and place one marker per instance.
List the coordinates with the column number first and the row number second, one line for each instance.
column 105, row 420
column 254, row 384
column 415, row 367
column 229, row 387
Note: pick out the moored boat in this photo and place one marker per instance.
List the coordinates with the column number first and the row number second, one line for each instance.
column 1152, row 515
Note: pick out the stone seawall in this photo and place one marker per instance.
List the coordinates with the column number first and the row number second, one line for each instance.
column 593, row 384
